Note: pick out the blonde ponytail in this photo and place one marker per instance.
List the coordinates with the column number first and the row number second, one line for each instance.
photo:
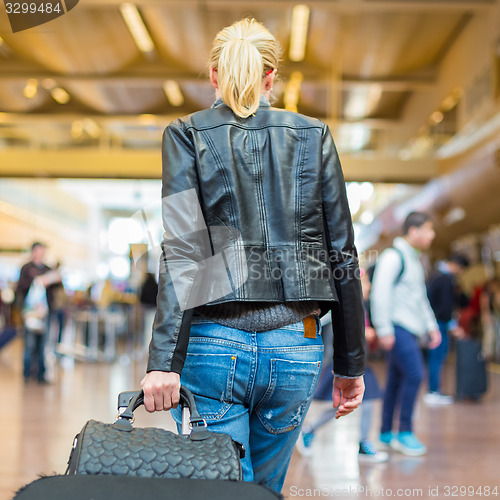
column 241, row 53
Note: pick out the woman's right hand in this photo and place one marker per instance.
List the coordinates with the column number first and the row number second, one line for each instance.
column 161, row 390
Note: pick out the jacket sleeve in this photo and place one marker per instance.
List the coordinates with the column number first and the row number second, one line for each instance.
column 23, row 285
column 348, row 314
column 181, row 216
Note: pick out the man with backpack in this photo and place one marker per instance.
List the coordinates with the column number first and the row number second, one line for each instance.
column 404, row 320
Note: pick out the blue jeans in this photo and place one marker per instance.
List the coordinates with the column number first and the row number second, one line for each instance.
column 437, row 357
column 34, row 345
column 256, row 387
column 405, row 373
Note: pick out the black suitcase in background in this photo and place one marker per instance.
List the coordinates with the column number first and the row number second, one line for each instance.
column 471, row 370
column 131, row 488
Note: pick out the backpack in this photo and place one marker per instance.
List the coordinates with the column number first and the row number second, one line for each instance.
column 371, row 270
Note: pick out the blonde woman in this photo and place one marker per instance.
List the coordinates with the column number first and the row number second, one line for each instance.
column 258, row 245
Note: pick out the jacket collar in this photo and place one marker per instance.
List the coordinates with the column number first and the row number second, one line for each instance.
column 262, row 102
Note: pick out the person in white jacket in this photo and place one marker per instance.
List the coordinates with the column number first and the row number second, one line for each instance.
column 403, row 320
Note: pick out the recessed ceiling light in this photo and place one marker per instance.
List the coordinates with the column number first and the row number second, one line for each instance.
column 298, row 32
column 137, row 28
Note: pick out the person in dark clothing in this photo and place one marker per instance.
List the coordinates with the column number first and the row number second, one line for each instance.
column 56, row 298
column 34, row 342
column 35, row 267
column 149, row 291
column 443, row 294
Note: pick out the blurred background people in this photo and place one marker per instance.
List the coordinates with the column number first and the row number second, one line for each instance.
column 34, row 311
column 35, row 267
column 402, row 317
column 34, row 302
column 148, row 293
column 58, row 302
column 367, row 451
column 489, row 306
column 444, row 296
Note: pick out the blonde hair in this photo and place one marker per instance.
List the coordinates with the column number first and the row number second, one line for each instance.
column 241, row 54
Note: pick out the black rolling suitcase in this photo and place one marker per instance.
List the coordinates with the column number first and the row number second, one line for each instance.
column 471, row 370
column 131, row 488
column 124, row 487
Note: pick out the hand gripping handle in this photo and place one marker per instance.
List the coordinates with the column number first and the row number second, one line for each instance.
column 186, row 400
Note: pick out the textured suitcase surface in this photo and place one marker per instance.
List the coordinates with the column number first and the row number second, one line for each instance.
column 137, row 451
column 132, row 488
column 119, row 449
column 471, row 370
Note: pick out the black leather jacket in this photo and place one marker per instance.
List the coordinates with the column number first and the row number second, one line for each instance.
column 272, row 209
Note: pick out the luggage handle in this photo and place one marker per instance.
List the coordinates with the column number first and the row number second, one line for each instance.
column 134, row 399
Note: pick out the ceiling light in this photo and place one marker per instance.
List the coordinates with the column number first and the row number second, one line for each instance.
column 292, row 91
column 147, row 119
column 60, row 95
column 298, row 32
column 353, row 197
column 31, row 88
column 366, row 190
column 76, row 129
column 405, row 154
column 137, row 28
column 367, row 217
column 360, row 136
column 91, row 128
column 454, row 215
column 173, row 93
column 362, row 101
column 48, row 83
column 437, row 117
column 449, row 103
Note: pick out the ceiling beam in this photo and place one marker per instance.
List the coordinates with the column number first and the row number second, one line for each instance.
column 157, row 72
column 380, row 168
column 134, row 80
column 335, row 5
column 146, row 164
column 60, row 119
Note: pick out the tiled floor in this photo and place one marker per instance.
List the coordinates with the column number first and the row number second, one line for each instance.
column 38, row 423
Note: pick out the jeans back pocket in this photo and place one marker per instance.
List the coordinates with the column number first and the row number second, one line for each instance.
column 288, row 395
column 210, row 377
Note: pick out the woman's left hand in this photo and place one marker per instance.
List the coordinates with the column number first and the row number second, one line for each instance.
column 347, row 394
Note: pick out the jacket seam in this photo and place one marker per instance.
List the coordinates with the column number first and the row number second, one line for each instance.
column 298, row 201
column 261, row 206
column 231, row 124
column 218, row 162
column 227, row 186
